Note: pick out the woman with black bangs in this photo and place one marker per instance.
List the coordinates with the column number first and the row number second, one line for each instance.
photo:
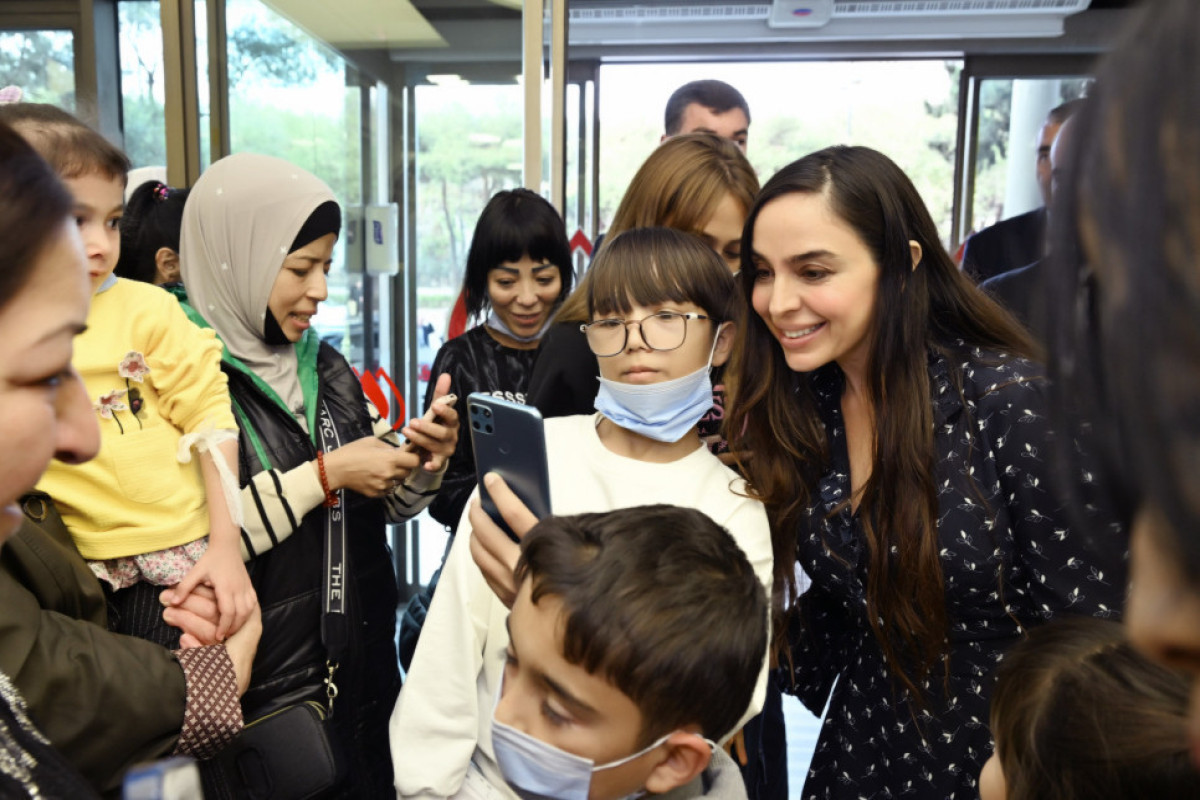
column 518, row 273
column 899, row 440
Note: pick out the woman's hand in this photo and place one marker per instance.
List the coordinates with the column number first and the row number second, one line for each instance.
column 369, row 466
column 221, row 569
column 434, row 437
column 197, row 615
column 242, row 646
column 495, row 553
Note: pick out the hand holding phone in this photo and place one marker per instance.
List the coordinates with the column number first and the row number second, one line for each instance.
column 509, row 439
column 433, row 445
column 431, row 415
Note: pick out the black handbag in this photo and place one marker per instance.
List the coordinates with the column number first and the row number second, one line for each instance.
column 286, row 755
column 291, row 753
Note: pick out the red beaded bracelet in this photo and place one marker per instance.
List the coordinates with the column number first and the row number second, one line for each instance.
column 331, row 499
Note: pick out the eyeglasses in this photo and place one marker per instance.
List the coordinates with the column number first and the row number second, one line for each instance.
column 665, row 330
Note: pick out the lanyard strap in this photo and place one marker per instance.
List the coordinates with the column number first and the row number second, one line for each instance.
column 334, row 627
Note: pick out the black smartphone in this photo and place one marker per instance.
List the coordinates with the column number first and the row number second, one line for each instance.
column 510, row 440
column 447, row 401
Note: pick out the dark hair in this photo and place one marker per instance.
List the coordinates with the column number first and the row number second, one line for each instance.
column 33, row 207
column 514, row 224
column 714, row 95
column 152, row 220
column 1064, row 111
column 678, row 186
column 649, row 266
column 1124, row 322
column 773, row 414
column 661, row 602
column 71, row 147
column 1078, row 714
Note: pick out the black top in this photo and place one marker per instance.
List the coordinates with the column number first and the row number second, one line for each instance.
column 290, row 664
column 1009, row 244
column 1008, row 556
column 476, row 363
column 1022, row 293
column 563, row 382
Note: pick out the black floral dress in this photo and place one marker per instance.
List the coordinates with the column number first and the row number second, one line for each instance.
column 1009, row 559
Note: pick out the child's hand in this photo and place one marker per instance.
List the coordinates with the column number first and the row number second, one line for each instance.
column 196, row 615
column 494, row 553
column 222, row 569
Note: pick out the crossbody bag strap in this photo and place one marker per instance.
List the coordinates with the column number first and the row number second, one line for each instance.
column 335, row 628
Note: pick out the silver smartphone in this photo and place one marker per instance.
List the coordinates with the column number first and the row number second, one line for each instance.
column 510, row 440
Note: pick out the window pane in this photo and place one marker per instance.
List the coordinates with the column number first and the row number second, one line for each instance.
column 1011, row 113
column 291, row 95
column 41, row 64
column 905, row 109
column 456, row 175
column 142, row 82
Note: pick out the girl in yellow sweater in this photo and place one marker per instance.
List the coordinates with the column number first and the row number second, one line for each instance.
column 145, row 513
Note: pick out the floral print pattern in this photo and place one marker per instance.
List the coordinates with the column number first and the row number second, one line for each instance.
column 1010, row 558
column 162, row 567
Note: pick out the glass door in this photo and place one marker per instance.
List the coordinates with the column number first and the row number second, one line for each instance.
column 1004, row 103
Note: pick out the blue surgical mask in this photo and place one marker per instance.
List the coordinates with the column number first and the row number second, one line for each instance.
column 663, row 411
column 495, row 323
column 536, row 770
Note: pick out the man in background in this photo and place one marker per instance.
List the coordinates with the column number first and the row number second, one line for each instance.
column 1022, row 291
column 1019, row 240
column 708, row 106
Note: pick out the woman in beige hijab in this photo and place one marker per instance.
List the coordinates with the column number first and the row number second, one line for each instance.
column 317, row 461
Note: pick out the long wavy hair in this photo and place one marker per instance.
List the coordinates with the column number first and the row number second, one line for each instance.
column 772, row 412
column 679, row 186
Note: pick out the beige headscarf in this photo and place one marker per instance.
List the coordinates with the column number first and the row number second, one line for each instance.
column 238, row 225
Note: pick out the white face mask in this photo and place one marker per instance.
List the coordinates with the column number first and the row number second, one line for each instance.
column 495, row 323
column 663, row 411
column 536, row 770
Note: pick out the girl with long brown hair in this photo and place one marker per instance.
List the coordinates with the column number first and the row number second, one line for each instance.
column 897, row 432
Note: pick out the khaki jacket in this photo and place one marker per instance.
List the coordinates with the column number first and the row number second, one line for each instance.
column 104, row 700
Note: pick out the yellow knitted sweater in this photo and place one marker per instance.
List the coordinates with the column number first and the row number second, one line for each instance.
column 136, row 497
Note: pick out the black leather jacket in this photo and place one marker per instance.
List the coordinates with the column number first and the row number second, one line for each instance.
column 290, row 665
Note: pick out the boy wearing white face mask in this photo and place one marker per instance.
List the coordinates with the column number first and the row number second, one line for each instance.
column 631, row 649
column 661, row 305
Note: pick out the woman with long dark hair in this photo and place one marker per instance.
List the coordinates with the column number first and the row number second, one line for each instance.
column 897, row 433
